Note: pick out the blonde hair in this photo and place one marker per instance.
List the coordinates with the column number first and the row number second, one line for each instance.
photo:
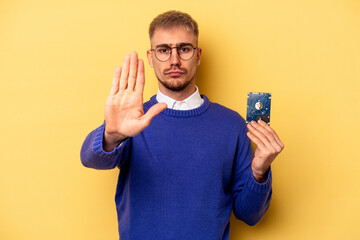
column 172, row 19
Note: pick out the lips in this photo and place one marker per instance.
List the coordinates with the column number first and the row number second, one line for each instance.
column 174, row 73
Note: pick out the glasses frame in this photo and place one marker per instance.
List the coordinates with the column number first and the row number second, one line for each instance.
column 177, row 51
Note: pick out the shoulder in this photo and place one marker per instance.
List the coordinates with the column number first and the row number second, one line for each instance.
column 226, row 113
column 226, row 116
column 225, row 110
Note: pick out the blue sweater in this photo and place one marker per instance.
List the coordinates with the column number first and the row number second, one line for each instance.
column 183, row 175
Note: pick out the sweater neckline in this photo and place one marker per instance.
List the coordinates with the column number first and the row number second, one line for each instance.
column 184, row 113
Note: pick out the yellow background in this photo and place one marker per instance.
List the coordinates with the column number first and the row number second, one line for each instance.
column 56, row 64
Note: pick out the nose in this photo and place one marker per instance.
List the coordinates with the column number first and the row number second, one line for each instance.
column 174, row 57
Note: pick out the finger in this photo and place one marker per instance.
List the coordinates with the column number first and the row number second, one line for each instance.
column 271, row 143
column 152, row 112
column 133, row 71
column 273, row 133
column 140, row 80
column 265, row 130
column 115, row 82
column 259, row 135
column 255, row 140
column 124, row 73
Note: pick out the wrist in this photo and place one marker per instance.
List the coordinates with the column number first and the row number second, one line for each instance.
column 260, row 175
column 112, row 140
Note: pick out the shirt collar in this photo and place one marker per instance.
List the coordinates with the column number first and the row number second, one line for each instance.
column 192, row 102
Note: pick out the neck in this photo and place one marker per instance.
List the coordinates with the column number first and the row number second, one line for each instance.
column 178, row 95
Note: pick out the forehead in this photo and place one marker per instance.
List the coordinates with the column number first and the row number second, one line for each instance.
column 173, row 36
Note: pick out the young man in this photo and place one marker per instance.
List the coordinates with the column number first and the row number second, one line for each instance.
column 185, row 162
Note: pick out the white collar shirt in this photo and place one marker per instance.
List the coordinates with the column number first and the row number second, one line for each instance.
column 192, row 102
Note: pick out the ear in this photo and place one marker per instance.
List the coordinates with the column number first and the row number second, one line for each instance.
column 149, row 57
column 198, row 56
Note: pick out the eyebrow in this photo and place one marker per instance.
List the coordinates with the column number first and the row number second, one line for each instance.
column 177, row 45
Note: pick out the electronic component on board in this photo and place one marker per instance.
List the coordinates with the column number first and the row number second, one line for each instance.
column 258, row 107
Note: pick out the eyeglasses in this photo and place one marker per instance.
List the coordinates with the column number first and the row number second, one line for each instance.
column 184, row 51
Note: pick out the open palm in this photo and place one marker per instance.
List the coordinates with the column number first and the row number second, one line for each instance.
column 124, row 113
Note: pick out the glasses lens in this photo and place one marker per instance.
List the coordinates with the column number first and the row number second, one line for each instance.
column 162, row 53
column 186, row 52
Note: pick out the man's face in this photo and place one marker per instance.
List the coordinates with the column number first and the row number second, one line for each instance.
column 175, row 74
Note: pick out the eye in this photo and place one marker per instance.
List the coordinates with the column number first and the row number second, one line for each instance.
column 162, row 50
column 185, row 49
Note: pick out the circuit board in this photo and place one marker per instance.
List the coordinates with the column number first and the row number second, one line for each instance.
column 258, row 107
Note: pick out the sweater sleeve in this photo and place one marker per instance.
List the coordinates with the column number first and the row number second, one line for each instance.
column 93, row 155
column 250, row 198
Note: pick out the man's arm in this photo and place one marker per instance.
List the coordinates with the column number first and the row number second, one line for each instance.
column 124, row 116
column 252, row 189
column 251, row 199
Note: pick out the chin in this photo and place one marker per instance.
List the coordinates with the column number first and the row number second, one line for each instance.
column 175, row 84
column 175, row 87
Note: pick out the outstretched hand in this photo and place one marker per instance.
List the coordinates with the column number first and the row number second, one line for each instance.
column 124, row 113
column 268, row 147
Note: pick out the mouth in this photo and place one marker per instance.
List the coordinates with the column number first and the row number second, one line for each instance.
column 174, row 73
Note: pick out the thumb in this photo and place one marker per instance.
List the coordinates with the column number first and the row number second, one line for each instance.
column 152, row 112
